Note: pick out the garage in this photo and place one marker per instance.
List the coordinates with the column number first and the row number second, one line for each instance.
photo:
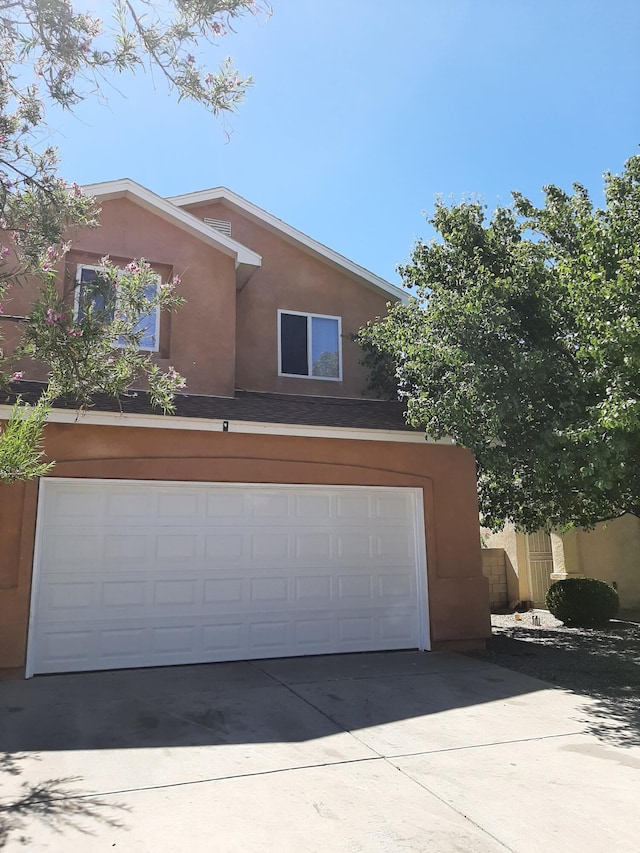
column 145, row 573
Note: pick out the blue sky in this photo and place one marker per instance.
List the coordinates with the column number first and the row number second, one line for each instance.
column 362, row 111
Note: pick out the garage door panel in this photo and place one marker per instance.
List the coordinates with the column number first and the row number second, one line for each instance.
column 129, row 505
column 63, row 596
column 118, row 546
column 392, row 505
column 72, row 504
column 270, row 504
column 174, row 641
column 142, row 574
column 225, row 547
column 126, row 596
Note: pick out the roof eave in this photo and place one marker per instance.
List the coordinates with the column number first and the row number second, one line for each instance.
column 246, row 260
column 291, row 234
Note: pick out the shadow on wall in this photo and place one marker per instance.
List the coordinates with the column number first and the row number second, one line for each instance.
column 603, row 664
column 56, row 802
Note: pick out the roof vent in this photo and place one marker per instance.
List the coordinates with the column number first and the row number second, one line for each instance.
column 220, row 225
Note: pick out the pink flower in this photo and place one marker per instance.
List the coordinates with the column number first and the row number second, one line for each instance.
column 46, row 266
column 17, row 375
column 51, row 253
column 53, row 317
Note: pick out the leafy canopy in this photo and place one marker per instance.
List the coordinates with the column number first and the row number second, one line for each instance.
column 521, row 342
column 54, row 53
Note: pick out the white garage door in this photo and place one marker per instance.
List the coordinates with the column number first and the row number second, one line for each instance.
column 131, row 574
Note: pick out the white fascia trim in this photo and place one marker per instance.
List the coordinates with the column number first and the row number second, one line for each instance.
column 126, row 188
column 264, row 218
column 92, row 418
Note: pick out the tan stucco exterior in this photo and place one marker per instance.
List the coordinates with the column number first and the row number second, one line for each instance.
column 610, row 552
column 294, row 280
column 458, row 592
column 512, row 543
column 199, row 338
column 223, row 339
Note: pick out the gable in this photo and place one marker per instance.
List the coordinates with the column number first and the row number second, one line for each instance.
column 244, row 258
column 202, row 204
column 222, row 340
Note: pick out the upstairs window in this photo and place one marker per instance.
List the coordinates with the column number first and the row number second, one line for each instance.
column 309, row 345
column 148, row 324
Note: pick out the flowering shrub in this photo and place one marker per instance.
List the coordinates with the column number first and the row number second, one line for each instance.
column 53, row 52
column 91, row 344
column 96, row 348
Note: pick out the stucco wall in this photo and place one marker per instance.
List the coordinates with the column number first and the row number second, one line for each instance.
column 222, row 339
column 495, row 571
column 292, row 279
column 199, row 338
column 515, row 559
column 458, row 592
column 611, row 553
column 201, row 345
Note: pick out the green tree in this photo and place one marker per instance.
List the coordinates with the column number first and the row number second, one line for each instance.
column 521, row 342
column 52, row 53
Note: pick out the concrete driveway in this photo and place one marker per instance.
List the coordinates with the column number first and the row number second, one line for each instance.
column 389, row 752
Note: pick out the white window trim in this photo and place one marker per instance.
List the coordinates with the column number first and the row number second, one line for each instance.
column 310, row 317
column 76, row 303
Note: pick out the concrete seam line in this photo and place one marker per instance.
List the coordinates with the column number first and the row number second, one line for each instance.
column 214, row 779
column 482, row 745
column 389, row 761
column 450, row 806
column 327, row 716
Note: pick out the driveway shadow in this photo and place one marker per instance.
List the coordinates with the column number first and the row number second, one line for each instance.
column 295, row 700
column 57, row 802
column 602, row 664
column 126, row 731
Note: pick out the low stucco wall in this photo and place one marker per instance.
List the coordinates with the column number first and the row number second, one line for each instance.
column 458, row 594
column 494, row 568
column 611, row 553
column 514, row 548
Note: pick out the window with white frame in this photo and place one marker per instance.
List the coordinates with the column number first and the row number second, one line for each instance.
column 309, row 345
column 148, row 324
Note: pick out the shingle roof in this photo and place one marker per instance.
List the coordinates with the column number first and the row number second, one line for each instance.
column 248, row 406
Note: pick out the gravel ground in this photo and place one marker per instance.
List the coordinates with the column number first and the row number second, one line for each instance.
column 603, row 663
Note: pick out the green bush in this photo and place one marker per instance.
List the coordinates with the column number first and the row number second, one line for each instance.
column 582, row 602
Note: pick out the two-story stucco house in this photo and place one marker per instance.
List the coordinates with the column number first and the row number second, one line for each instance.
column 279, row 512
